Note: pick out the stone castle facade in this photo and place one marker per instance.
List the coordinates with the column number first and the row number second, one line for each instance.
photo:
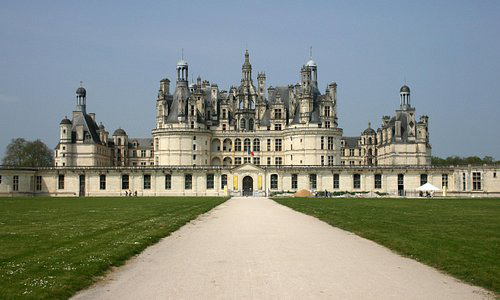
column 248, row 140
column 199, row 124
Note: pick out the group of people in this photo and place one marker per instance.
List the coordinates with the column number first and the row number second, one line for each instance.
column 130, row 194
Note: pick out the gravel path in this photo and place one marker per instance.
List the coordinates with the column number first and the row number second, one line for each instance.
column 254, row 248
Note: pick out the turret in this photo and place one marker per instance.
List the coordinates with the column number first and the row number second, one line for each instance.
column 81, row 99
column 246, row 69
column 404, row 97
column 120, row 139
column 103, row 134
column 65, row 130
column 182, row 70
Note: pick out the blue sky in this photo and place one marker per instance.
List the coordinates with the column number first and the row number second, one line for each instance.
column 448, row 52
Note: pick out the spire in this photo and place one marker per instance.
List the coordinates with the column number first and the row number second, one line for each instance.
column 246, row 68
column 247, row 58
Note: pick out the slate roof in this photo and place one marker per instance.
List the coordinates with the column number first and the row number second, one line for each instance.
column 351, row 141
column 142, row 143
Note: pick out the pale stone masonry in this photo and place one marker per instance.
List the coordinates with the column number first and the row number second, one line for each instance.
column 208, row 141
column 247, row 179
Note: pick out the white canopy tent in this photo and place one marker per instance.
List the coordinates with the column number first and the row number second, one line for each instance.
column 428, row 188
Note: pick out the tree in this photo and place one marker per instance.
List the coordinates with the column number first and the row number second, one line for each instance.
column 22, row 153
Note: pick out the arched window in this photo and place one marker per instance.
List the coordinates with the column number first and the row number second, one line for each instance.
column 237, row 145
column 246, row 145
column 370, row 141
column 119, row 141
column 250, row 124
column 256, row 145
column 274, row 181
column 242, row 124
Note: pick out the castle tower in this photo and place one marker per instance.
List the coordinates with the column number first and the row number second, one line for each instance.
column 120, row 140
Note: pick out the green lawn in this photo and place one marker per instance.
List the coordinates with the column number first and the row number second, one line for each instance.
column 52, row 247
column 458, row 236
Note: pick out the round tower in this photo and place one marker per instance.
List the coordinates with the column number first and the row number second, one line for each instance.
column 65, row 130
column 120, row 139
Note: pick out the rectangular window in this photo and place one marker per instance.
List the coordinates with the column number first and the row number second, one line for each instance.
column 274, row 181
column 423, row 179
column 322, row 142
column 246, row 160
column 223, row 127
column 256, row 161
column 356, row 178
column 330, row 143
column 378, row 181
column 143, row 153
column 125, row 182
column 237, row 161
column 336, row 181
column 210, row 181
column 464, row 182
column 330, row 160
column 268, row 144
column 168, row 181
column 327, row 111
column 322, row 160
column 147, row 182
column 277, row 145
column 102, row 182
column 327, row 124
column 15, row 183
column 188, row 181
column 351, row 152
column 278, row 161
column 268, row 161
column 0, row 179
column 312, row 181
column 294, row 181
column 38, row 183
column 476, row 181
column 277, row 113
column 223, row 181
column 277, row 127
column 444, row 180
column 60, row 182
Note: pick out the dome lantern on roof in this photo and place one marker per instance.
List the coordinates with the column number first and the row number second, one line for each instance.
column 404, row 89
column 404, row 95
column 65, row 121
column 81, row 92
column 369, row 130
column 182, row 69
column 311, row 63
column 119, row 131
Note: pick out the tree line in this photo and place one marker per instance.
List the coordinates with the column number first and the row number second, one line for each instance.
column 457, row 160
column 23, row 153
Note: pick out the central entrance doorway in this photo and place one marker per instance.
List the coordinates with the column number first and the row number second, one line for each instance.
column 247, row 186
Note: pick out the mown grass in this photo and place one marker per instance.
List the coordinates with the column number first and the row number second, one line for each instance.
column 50, row 248
column 458, row 236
